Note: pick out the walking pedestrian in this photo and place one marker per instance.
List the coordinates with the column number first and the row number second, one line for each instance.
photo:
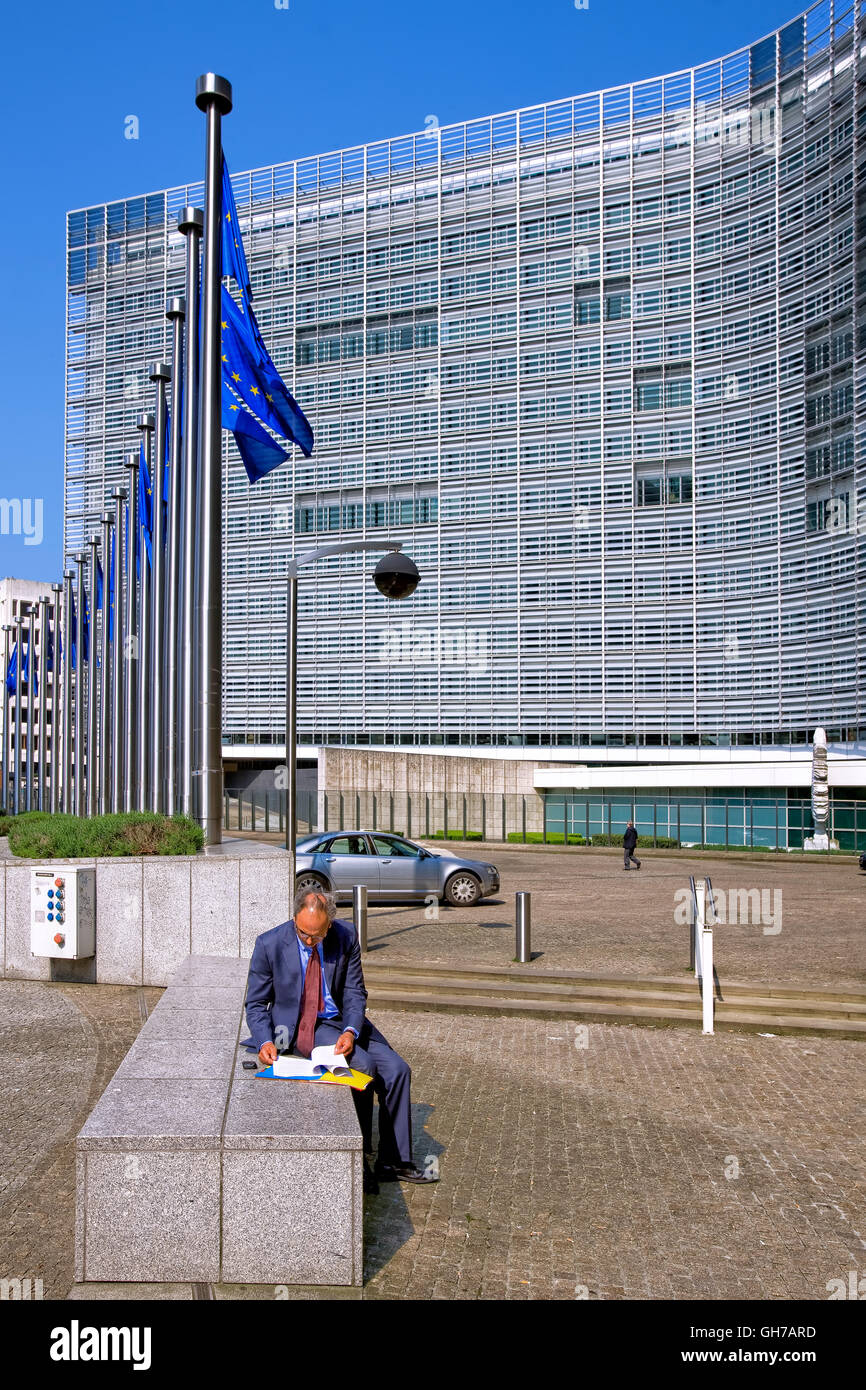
column 629, row 841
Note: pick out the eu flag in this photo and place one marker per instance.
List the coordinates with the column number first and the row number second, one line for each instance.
column 99, row 585
column 258, row 451
column 25, row 671
column 11, row 668
column 234, row 262
column 257, row 381
column 111, row 566
column 145, row 503
column 86, row 635
column 73, row 628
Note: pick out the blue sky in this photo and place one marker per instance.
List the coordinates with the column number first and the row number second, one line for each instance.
column 315, row 76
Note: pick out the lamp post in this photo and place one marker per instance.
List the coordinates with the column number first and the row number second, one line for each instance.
column 396, row 577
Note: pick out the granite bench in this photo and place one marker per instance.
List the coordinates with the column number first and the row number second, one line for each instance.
column 190, row 1170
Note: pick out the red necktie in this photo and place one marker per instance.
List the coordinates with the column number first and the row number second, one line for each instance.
column 311, row 1005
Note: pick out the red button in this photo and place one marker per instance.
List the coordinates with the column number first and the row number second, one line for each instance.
column 58, row 883
column 59, row 938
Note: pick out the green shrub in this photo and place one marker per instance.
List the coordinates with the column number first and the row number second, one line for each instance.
column 643, row 841
column 457, row 835
column 39, row 835
column 535, row 837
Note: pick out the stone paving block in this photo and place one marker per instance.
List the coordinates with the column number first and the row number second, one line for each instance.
column 152, row 1217
column 294, row 1221
column 167, row 934
column 215, row 900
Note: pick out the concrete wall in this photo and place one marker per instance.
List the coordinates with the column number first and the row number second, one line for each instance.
column 153, row 912
column 396, row 770
column 405, row 791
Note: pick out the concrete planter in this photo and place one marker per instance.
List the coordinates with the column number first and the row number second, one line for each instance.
column 154, row 911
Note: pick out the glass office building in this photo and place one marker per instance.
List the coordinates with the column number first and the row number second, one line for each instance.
column 597, row 363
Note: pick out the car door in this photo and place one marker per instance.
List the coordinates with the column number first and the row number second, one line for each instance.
column 347, row 861
column 403, row 867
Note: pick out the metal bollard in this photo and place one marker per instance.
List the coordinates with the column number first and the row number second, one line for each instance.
column 359, row 913
column 707, row 979
column 523, row 927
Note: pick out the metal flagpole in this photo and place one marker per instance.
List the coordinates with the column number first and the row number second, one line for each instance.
column 56, row 741
column 66, row 778
column 4, row 794
column 44, row 690
column 29, row 616
column 78, row 743
column 117, row 662
column 191, row 223
column 291, row 721
column 130, row 643
column 19, row 661
column 145, row 631
column 92, row 699
column 213, row 95
column 160, row 374
column 175, row 310
column 105, row 747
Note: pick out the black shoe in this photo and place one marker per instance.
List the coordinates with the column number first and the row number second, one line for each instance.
column 638, row 863
column 402, row 1172
column 371, row 1184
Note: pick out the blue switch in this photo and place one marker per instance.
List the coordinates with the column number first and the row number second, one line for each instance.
column 51, row 916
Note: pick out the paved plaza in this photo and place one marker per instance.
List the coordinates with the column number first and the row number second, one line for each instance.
column 588, row 914
column 605, row 1162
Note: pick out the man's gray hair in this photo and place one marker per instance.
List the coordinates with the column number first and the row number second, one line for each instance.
column 323, row 896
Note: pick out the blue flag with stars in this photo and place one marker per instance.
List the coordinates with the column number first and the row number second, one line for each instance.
column 258, row 451
column 11, row 668
column 234, row 260
column 111, row 586
column 258, row 383
column 25, row 671
column 145, row 503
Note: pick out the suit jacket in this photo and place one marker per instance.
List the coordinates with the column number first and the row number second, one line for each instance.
column 276, row 980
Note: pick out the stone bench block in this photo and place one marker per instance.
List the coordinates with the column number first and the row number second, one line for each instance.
column 196, row 1061
column 163, row 1113
column 189, row 1169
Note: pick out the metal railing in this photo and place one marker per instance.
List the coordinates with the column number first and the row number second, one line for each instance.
column 554, row 819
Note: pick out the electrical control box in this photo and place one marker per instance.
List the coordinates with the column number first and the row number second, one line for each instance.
column 62, row 912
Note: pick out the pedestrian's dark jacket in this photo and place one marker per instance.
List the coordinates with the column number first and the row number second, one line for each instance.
column 629, row 839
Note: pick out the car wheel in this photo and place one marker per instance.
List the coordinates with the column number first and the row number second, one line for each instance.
column 463, row 889
column 311, row 883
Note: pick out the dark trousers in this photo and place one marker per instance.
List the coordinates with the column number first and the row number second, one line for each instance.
column 628, row 854
column 391, row 1075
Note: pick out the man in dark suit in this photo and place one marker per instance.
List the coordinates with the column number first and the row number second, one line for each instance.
column 306, row 989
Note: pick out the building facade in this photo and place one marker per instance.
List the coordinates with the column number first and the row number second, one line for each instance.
column 19, row 598
column 597, row 363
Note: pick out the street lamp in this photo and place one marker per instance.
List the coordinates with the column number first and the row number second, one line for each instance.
column 395, row 576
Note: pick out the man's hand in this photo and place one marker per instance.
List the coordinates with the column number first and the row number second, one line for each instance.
column 267, row 1054
column 344, row 1044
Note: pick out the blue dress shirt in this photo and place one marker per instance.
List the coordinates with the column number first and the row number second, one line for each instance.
column 329, row 1008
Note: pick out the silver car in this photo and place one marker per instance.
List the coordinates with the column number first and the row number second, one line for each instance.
column 391, row 867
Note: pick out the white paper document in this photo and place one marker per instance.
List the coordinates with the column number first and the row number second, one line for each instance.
column 322, row 1060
